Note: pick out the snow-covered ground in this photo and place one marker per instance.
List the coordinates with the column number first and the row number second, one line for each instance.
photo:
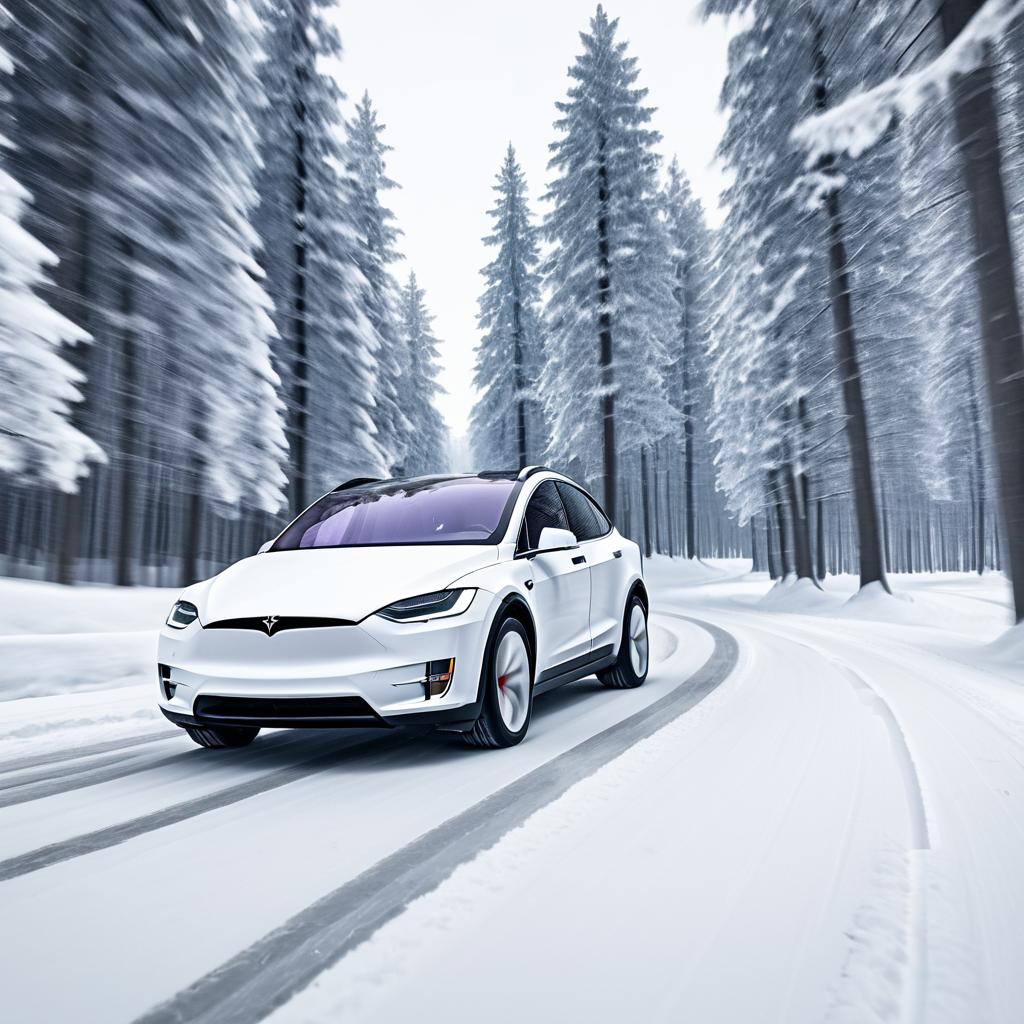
column 57, row 639
column 812, row 811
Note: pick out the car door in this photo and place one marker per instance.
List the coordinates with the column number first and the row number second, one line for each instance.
column 561, row 585
column 602, row 548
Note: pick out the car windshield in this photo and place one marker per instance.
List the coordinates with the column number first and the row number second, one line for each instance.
column 432, row 510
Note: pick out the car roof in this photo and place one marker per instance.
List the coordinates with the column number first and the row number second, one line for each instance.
column 486, row 474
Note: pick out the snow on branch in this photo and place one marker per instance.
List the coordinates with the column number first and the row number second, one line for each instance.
column 860, row 121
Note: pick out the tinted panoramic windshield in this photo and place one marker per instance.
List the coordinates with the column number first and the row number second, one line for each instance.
column 429, row 511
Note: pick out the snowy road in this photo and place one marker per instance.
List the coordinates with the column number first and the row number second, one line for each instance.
column 800, row 817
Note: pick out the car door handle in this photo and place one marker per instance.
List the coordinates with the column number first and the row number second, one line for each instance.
column 616, row 554
column 579, row 559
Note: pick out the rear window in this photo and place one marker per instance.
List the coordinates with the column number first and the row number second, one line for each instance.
column 431, row 511
column 586, row 520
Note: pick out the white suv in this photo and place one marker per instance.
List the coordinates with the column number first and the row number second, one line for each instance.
column 443, row 600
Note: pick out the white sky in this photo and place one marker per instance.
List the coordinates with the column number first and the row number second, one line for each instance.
column 455, row 81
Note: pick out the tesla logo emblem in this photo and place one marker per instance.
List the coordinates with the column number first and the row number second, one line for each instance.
column 269, row 623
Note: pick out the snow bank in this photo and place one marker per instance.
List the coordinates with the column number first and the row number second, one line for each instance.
column 1008, row 649
column 27, row 606
column 661, row 570
column 793, row 595
column 663, row 643
column 875, row 603
column 35, row 666
column 56, row 639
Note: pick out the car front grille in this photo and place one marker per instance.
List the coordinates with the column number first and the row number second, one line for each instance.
column 284, row 712
column 272, row 624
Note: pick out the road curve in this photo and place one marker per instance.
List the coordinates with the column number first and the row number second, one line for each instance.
column 249, row 986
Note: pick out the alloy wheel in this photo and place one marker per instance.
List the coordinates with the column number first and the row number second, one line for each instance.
column 512, row 665
column 638, row 640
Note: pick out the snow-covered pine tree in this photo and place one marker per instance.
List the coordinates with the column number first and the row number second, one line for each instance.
column 38, row 387
column 762, row 347
column 508, row 424
column 375, row 253
column 427, row 441
column 134, row 126
column 53, row 92
column 327, row 345
column 177, row 159
column 687, row 374
column 956, row 471
column 970, row 31
column 977, row 132
column 885, row 281
column 609, row 273
column 788, row 62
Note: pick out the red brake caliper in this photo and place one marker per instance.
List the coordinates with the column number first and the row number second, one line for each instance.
column 502, row 680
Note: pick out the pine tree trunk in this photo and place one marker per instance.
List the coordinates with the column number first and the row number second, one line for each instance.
column 841, row 544
column 974, row 414
column 656, row 540
column 300, row 369
column 802, row 562
column 604, row 320
column 645, row 493
column 977, row 130
column 758, row 562
column 886, row 535
column 784, row 527
column 73, row 274
column 929, row 547
column 190, row 542
column 127, row 423
column 769, row 533
column 872, row 564
column 820, row 525
column 517, row 375
column 690, row 511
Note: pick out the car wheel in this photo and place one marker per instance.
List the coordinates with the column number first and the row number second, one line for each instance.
column 219, row 736
column 630, row 668
column 508, row 690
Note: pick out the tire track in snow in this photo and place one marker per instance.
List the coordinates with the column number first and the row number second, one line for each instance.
column 252, row 984
column 914, row 986
column 114, row 835
column 916, row 977
column 119, row 766
column 35, row 760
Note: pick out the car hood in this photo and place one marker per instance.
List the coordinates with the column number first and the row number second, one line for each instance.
column 337, row 583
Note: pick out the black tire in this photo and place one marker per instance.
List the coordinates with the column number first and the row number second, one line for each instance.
column 490, row 730
column 217, row 737
column 622, row 675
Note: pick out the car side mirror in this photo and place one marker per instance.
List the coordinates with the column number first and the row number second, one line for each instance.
column 265, row 546
column 554, row 539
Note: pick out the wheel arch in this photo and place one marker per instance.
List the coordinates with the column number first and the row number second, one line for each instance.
column 514, row 606
column 640, row 590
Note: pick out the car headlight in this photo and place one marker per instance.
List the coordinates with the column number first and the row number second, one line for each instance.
column 183, row 614
column 439, row 604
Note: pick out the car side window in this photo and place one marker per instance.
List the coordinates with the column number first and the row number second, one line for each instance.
column 545, row 509
column 603, row 522
column 585, row 518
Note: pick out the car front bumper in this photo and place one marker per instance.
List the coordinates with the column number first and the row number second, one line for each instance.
column 368, row 674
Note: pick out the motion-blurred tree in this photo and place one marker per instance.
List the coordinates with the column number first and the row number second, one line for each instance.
column 38, row 387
